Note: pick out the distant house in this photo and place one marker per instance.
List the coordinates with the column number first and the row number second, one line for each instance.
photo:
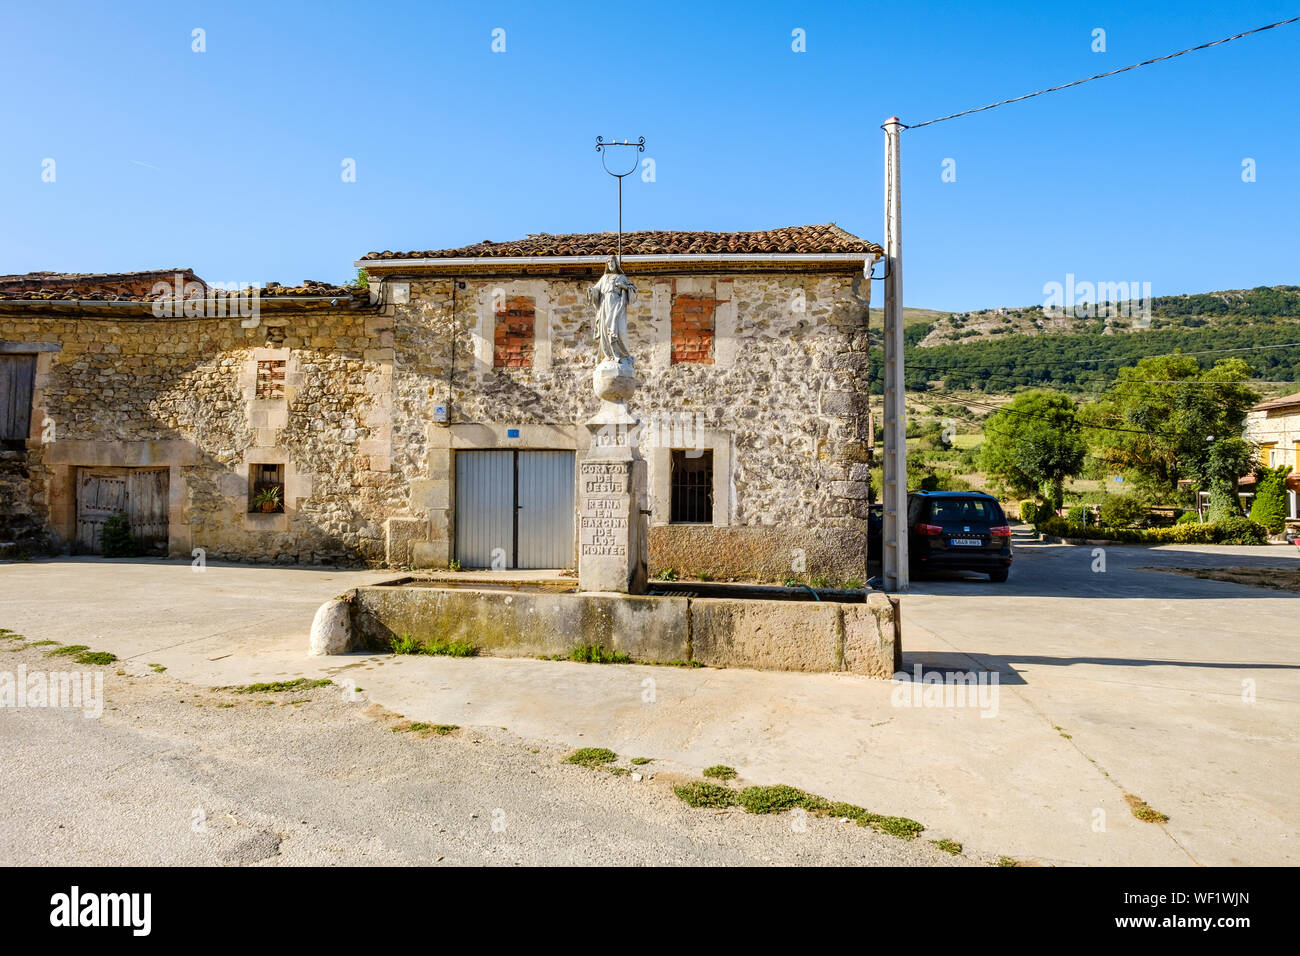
column 1274, row 427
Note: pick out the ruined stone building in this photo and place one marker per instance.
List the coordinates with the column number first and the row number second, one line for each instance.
column 434, row 417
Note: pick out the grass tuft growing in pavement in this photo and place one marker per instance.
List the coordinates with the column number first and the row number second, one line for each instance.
column 425, row 729
column 596, row 654
column 82, row 654
column 638, row 761
column 67, row 650
column 405, row 644
column 948, row 846
column 278, row 687
column 591, row 756
column 96, row 657
column 702, row 794
column 1143, row 811
column 777, row 798
column 720, row 772
column 1008, row 861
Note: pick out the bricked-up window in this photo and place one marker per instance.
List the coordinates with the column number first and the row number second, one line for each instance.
column 692, row 487
column 513, row 337
column 693, row 329
column 266, row 488
column 270, row 379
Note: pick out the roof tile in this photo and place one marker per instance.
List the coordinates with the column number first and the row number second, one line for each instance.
column 828, row 238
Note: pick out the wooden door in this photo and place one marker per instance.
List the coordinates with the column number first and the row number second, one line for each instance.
column 141, row 493
column 146, row 506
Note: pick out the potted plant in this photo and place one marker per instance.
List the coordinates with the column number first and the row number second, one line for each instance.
column 267, row 500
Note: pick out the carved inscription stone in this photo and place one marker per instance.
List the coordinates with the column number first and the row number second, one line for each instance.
column 606, row 507
column 610, row 494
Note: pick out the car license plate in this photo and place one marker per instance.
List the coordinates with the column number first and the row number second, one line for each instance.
column 965, row 542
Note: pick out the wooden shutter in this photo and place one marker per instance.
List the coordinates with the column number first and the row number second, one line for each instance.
column 17, row 377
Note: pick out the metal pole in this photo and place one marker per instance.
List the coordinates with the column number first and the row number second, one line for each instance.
column 601, row 147
column 894, row 534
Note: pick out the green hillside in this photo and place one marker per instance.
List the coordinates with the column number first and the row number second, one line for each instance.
column 997, row 351
column 1202, row 310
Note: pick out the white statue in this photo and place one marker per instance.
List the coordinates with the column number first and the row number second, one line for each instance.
column 611, row 296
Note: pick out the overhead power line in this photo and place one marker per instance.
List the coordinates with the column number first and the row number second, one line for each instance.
column 1089, row 79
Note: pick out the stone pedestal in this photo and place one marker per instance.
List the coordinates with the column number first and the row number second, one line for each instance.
column 613, row 533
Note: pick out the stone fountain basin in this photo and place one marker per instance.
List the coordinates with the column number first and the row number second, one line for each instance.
column 719, row 625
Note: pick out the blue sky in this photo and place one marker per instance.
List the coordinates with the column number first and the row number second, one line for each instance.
column 229, row 161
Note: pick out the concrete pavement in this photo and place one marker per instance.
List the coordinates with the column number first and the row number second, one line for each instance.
column 1141, row 671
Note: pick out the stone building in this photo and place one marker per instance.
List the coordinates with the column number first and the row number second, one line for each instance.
column 435, row 416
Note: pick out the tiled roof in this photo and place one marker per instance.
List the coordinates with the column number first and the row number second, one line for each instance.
column 66, row 287
column 309, row 287
column 804, row 240
column 107, row 286
column 87, row 278
column 1286, row 401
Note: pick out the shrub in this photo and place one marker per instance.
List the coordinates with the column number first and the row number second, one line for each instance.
column 1029, row 511
column 115, row 539
column 1269, row 506
column 1188, row 517
column 1121, row 511
column 1242, row 531
column 1228, row 531
column 1077, row 515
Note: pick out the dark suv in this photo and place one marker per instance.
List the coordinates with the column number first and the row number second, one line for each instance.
column 958, row 531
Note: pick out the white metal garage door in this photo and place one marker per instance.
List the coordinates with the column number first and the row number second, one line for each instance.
column 514, row 509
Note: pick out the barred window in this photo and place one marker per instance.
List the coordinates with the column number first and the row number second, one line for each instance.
column 692, row 487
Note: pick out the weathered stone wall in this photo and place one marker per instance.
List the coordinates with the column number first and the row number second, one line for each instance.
column 140, row 391
column 861, row 637
column 784, row 401
column 782, row 406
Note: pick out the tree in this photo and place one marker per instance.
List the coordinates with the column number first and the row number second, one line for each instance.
column 1269, row 507
column 1033, row 443
column 1161, row 420
column 1228, row 460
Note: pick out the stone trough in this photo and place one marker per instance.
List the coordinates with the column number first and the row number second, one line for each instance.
column 755, row 627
